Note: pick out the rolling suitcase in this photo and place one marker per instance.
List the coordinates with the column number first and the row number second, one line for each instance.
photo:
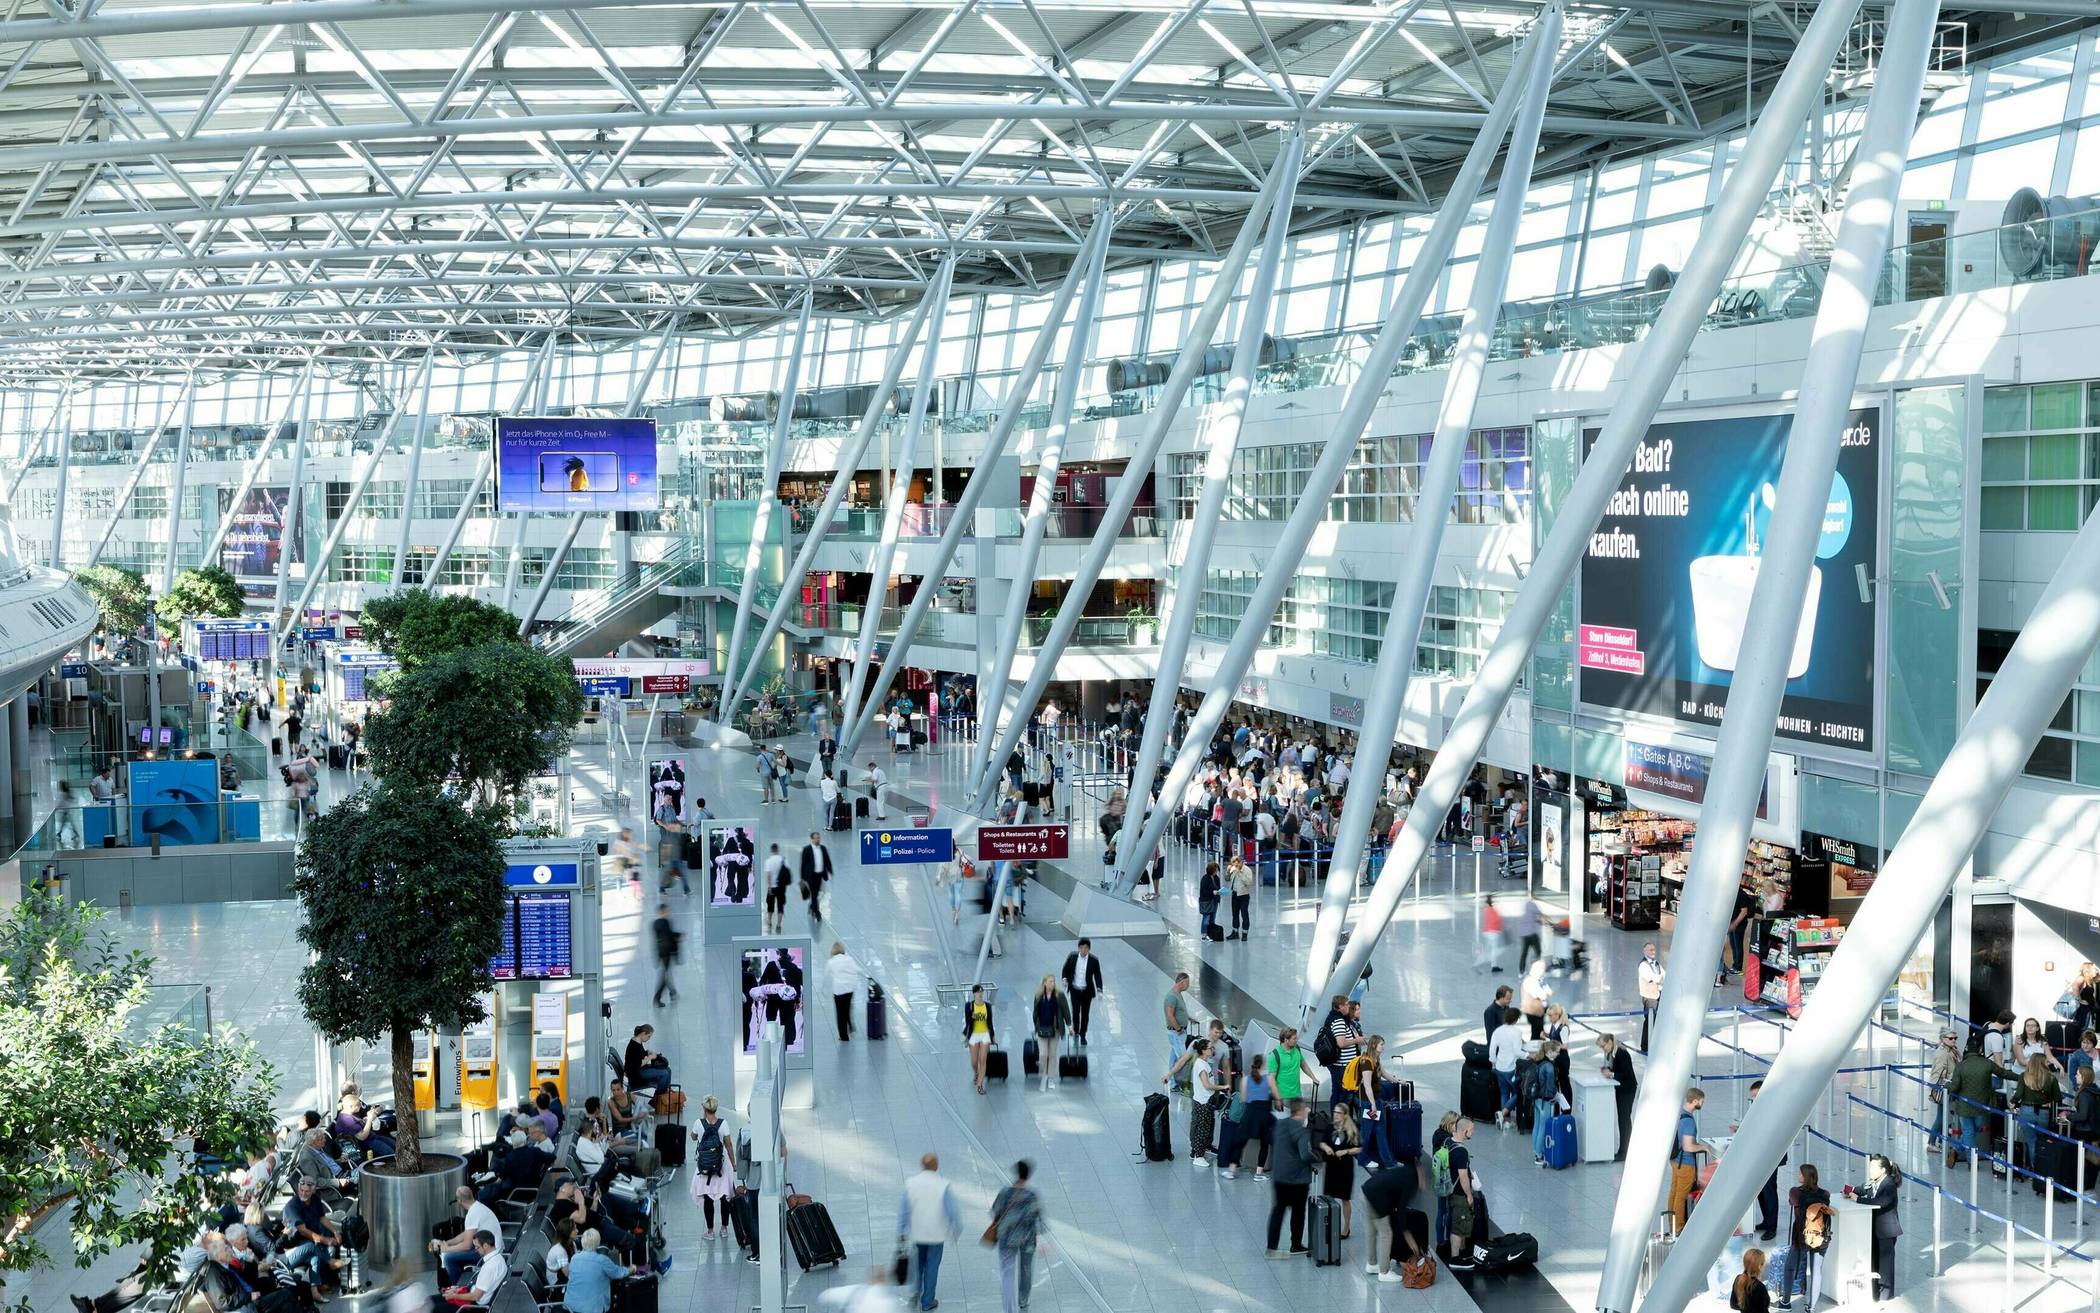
column 878, row 1012
column 1403, row 1131
column 1525, row 1112
column 812, row 1236
column 1560, row 1142
column 1479, row 1095
column 743, row 1220
column 1325, row 1224
column 995, row 1067
column 1510, row 1253
column 860, row 808
column 1154, row 1133
column 634, row 1294
column 670, row 1143
column 841, row 815
column 1031, row 1057
column 1216, row 933
column 1071, row 1066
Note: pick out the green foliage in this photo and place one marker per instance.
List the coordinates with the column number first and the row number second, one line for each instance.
column 120, row 593
column 489, row 717
column 211, row 591
column 402, row 890
column 414, row 627
column 96, row 1109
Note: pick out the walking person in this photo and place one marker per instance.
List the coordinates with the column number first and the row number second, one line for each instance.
column 846, row 980
column 714, row 1166
column 1528, row 946
column 1488, row 957
column 1240, row 878
column 979, row 1035
column 1883, row 1186
column 1176, row 1007
column 1052, row 1016
column 776, row 884
column 667, row 939
column 1532, row 996
column 816, row 870
column 1648, row 978
column 1082, row 979
column 1017, row 1232
column 1290, row 1179
column 928, row 1220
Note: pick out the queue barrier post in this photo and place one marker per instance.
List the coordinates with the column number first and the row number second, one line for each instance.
column 2049, row 1229
column 1939, row 1245
column 1975, row 1154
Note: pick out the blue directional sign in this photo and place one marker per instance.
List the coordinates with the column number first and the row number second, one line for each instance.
column 896, row 847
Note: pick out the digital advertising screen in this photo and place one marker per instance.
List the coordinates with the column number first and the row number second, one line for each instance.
column 1669, row 572
column 732, row 863
column 174, row 799
column 251, row 545
column 667, row 780
column 580, row 464
column 772, row 987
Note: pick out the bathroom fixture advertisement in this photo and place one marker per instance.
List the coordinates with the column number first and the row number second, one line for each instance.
column 556, row 464
column 1667, row 579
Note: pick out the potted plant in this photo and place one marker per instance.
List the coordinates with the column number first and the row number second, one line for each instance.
column 401, row 887
column 1144, row 626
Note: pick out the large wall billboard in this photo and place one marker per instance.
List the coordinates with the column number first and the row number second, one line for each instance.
column 545, row 464
column 251, row 545
column 1667, row 578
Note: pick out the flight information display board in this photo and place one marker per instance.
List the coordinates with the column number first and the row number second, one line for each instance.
column 358, row 669
column 543, row 937
column 233, row 640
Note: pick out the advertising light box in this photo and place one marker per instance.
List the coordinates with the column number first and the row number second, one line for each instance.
column 1668, row 576
column 549, row 464
column 257, row 532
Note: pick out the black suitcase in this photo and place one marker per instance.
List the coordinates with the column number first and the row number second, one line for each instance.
column 1216, row 933
column 1031, row 1057
column 995, row 1065
column 276, row 746
column 1325, row 1225
column 860, row 808
column 878, row 1012
column 1155, row 1135
column 1071, row 1066
column 814, row 1239
column 1525, row 1111
column 1510, row 1253
column 634, row 1294
column 841, row 815
column 743, row 1220
column 1479, row 1094
column 2062, row 1037
column 1475, row 1053
column 670, row 1143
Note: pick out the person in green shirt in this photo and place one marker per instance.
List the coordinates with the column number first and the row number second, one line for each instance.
column 1974, row 1099
column 1287, row 1066
column 1177, row 1013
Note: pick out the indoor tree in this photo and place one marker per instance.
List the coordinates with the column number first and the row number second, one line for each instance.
column 121, row 594
column 414, row 626
column 98, row 1113
column 402, row 891
column 210, row 591
column 487, row 718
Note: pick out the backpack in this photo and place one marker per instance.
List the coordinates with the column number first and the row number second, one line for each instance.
column 1440, row 1171
column 1327, row 1050
column 1543, row 1082
column 709, row 1159
column 1815, row 1228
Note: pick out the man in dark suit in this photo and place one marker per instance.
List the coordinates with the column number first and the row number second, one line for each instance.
column 1618, row 1064
column 816, row 869
column 1082, row 978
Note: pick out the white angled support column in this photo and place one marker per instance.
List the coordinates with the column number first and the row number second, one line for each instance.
column 1311, row 510
column 255, row 466
column 58, row 505
column 1658, row 356
column 1758, row 687
column 769, row 490
column 294, row 500
column 893, row 500
column 568, row 538
column 145, row 462
column 1447, row 449
column 961, row 515
column 178, row 482
column 1220, row 443
column 849, row 459
column 1165, row 409
column 318, row 570
column 993, row 701
column 484, row 472
column 537, row 386
column 410, row 482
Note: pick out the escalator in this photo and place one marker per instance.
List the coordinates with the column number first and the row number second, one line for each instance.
column 611, row 618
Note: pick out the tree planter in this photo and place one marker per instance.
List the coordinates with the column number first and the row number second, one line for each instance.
column 401, row 1210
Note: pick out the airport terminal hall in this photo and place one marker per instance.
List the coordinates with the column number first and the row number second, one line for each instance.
column 1091, row 656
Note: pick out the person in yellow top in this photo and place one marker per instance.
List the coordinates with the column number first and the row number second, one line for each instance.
column 979, row 1034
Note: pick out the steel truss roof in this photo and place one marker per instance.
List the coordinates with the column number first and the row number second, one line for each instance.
column 225, row 185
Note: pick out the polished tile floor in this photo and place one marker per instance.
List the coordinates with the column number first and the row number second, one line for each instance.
column 1125, row 1235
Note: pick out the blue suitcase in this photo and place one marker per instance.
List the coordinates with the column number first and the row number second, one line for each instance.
column 1403, row 1131
column 1560, row 1142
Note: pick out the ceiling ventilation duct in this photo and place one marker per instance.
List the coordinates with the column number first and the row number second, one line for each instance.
column 2047, row 237
column 1130, row 374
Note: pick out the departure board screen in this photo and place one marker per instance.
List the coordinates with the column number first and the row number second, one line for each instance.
column 233, row 640
column 543, row 937
column 504, row 966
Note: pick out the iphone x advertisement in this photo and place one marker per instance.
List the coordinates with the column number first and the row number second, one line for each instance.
column 559, row 464
column 1668, row 575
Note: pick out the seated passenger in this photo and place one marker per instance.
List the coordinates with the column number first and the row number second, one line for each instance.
column 549, row 1100
column 357, row 1126
column 590, row 1148
column 316, row 1164
column 309, row 1237
column 522, row 1167
column 488, row 1277
column 625, row 1112
column 644, row 1068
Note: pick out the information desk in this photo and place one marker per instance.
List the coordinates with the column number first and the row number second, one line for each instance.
column 1596, row 1113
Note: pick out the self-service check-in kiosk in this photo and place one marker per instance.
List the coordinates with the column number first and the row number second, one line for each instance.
column 550, row 1041
column 477, row 1063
